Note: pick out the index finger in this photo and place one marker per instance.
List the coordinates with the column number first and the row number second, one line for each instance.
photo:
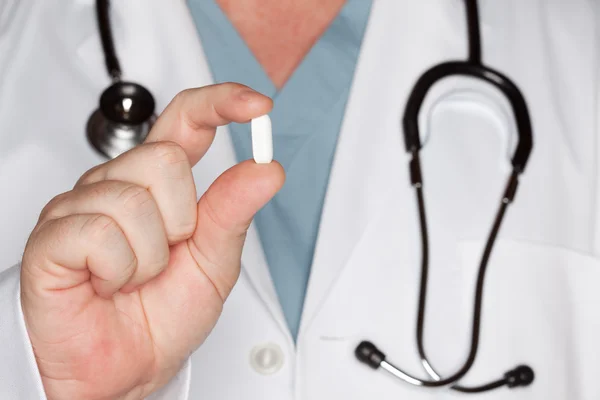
column 192, row 117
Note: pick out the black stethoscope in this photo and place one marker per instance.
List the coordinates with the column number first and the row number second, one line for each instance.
column 126, row 111
column 126, row 115
column 366, row 352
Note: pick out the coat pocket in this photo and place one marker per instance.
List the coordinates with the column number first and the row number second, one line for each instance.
column 540, row 308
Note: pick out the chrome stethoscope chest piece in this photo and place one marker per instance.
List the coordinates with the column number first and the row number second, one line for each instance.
column 125, row 117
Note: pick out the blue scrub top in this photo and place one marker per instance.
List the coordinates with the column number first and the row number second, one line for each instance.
column 307, row 116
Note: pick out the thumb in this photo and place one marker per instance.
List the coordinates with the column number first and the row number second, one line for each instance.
column 225, row 212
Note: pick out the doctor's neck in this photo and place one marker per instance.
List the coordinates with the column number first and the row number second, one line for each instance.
column 280, row 32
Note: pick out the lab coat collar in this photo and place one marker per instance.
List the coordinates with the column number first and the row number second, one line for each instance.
column 371, row 166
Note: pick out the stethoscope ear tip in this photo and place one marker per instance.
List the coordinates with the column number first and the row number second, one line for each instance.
column 367, row 353
column 521, row 376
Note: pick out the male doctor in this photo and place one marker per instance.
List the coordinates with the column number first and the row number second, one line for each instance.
column 183, row 270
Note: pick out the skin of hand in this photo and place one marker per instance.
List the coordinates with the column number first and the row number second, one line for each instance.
column 124, row 276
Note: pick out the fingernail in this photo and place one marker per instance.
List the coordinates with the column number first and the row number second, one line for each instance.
column 247, row 95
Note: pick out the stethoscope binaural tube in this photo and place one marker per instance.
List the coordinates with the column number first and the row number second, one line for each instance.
column 126, row 111
column 366, row 352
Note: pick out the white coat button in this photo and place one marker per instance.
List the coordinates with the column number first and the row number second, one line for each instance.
column 266, row 359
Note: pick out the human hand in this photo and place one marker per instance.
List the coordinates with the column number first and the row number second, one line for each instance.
column 126, row 275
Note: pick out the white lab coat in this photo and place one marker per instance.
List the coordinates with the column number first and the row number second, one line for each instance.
column 542, row 296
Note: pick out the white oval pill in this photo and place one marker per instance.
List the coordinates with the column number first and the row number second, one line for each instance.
column 262, row 140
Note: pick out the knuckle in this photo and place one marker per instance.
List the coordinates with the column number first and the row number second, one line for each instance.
column 169, row 161
column 51, row 209
column 182, row 106
column 182, row 96
column 182, row 231
column 167, row 154
column 137, row 201
column 105, row 234
column 50, row 236
column 100, row 229
column 91, row 176
column 101, row 190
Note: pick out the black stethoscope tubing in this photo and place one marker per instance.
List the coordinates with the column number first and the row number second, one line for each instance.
column 366, row 352
column 113, row 66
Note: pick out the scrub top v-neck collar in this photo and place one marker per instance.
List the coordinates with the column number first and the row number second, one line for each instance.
column 307, row 116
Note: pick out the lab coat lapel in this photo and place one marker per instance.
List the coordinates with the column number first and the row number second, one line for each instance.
column 168, row 58
column 370, row 166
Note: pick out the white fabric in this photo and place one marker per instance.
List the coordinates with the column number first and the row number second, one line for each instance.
column 541, row 303
column 19, row 377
